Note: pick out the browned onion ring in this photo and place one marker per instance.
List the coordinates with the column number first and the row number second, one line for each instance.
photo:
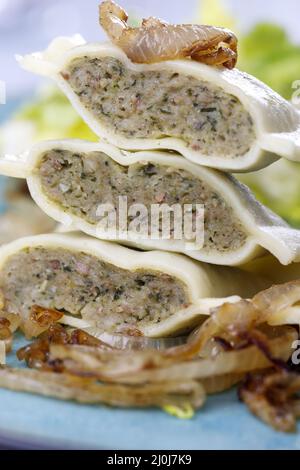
column 155, row 41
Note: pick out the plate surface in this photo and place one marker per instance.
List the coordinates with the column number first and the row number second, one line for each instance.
column 29, row 421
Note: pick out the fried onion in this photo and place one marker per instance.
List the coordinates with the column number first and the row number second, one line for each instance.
column 2, row 352
column 121, row 341
column 272, row 396
column 86, row 390
column 237, row 339
column 145, row 367
column 9, row 323
column 156, row 41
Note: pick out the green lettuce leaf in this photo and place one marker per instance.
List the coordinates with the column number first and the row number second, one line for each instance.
column 53, row 117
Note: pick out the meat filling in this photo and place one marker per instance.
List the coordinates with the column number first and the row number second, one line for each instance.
column 79, row 283
column 157, row 104
column 80, row 182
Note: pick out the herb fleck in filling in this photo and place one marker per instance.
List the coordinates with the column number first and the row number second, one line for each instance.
column 79, row 283
column 80, row 182
column 157, row 104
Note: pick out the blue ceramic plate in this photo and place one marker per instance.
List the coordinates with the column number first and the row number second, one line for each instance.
column 29, row 421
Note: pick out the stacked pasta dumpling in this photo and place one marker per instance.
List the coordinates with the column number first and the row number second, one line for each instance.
column 169, row 133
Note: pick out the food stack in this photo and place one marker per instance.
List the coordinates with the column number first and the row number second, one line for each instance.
column 172, row 120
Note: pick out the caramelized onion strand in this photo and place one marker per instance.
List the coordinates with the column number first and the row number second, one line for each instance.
column 156, row 41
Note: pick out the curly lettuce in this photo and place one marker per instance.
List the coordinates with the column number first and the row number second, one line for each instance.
column 267, row 53
column 54, row 118
column 48, row 115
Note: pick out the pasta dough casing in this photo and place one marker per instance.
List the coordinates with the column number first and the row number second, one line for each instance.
column 263, row 230
column 205, row 286
column 276, row 123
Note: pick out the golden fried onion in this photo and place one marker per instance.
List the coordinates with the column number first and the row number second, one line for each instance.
column 273, row 396
column 237, row 339
column 156, row 41
column 241, row 317
column 9, row 323
column 140, row 367
column 87, row 390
